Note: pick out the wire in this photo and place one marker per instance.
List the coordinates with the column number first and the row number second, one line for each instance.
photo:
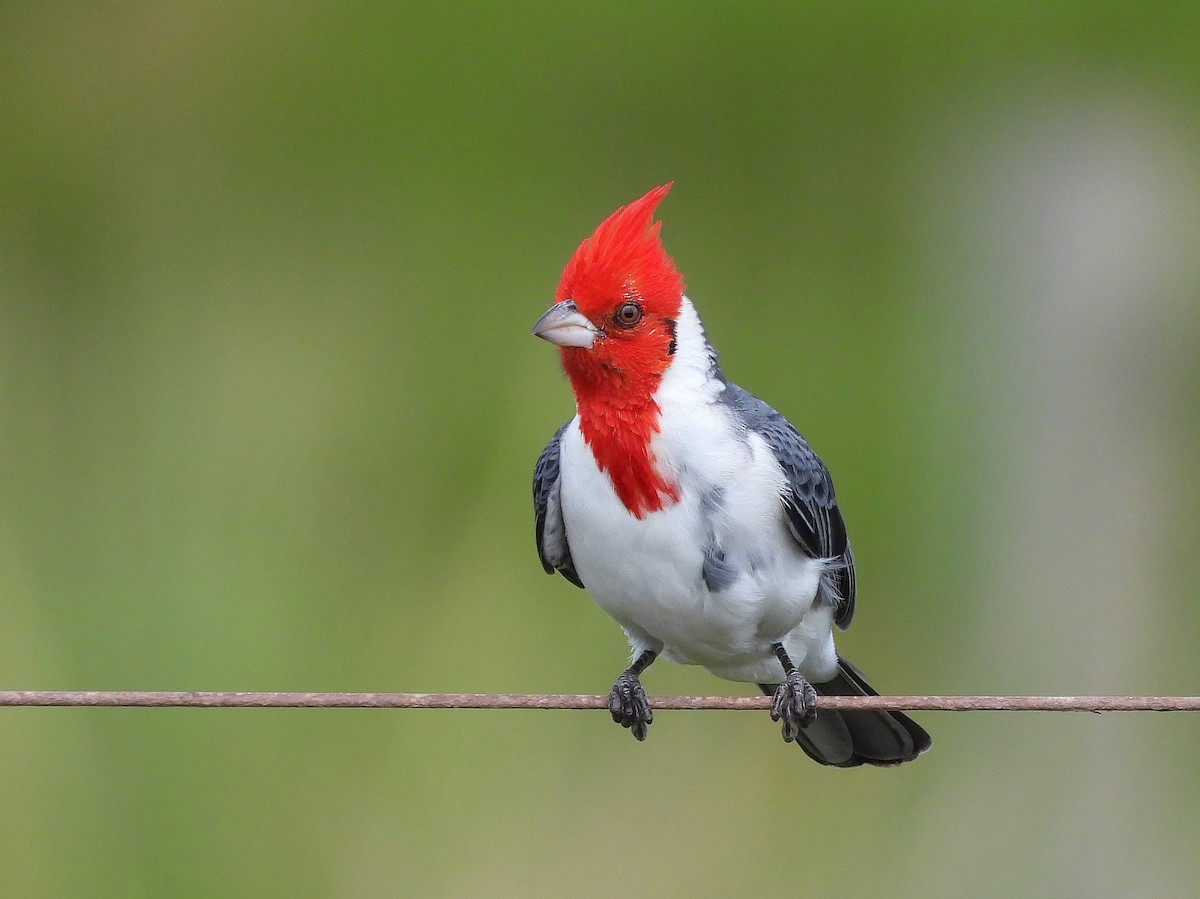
column 191, row 699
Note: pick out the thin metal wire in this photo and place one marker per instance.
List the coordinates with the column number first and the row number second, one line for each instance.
column 216, row 699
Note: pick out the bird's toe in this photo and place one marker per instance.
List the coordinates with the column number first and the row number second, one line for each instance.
column 629, row 706
column 795, row 705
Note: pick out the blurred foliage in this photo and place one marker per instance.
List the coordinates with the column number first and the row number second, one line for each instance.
column 270, row 406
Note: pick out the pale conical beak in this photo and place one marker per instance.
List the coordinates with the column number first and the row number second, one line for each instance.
column 565, row 325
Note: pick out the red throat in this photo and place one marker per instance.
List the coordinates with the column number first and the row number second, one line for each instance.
column 618, row 428
column 616, row 379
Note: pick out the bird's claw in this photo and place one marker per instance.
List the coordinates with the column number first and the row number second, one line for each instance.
column 629, row 706
column 795, row 704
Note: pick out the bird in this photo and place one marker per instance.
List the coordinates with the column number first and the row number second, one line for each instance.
column 694, row 514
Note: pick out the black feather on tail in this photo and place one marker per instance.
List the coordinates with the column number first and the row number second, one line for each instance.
column 850, row 739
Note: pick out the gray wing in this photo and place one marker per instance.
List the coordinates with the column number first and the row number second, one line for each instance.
column 550, row 530
column 808, row 499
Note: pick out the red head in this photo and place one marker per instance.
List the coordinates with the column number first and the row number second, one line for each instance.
column 622, row 261
column 624, row 284
column 614, row 318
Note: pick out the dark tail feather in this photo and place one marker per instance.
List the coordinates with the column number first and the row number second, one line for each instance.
column 850, row 739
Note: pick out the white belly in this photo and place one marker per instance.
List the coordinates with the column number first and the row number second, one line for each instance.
column 648, row 573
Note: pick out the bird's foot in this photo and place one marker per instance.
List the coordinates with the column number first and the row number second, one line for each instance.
column 795, row 705
column 629, row 706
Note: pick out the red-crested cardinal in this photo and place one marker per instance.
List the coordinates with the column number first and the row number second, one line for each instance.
column 693, row 512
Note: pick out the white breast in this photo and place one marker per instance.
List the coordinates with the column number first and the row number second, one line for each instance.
column 648, row 573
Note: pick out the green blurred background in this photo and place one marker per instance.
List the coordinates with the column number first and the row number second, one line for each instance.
column 269, row 408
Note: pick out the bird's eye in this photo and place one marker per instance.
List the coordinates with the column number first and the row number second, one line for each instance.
column 628, row 314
